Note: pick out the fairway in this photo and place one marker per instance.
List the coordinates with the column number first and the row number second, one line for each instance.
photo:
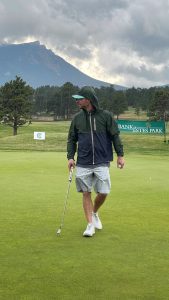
column 128, row 259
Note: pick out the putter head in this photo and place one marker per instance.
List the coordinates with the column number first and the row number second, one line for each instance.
column 58, row 231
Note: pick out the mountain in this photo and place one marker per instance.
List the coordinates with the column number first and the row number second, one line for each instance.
column 39, row 66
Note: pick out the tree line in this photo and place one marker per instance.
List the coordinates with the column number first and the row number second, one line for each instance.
column 19, row 102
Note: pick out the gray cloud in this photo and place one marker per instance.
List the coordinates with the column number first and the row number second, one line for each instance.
column 120, row 41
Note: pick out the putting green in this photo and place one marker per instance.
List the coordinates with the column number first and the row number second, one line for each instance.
column 128, row 259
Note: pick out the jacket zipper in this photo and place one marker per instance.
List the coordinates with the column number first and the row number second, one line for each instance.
column 90, row 117
column 94, row 124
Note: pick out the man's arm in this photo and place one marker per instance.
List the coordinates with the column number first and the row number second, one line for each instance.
column 71, row 145
column 118, row 146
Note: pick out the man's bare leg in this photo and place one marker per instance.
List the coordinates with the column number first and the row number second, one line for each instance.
column 87, row 206
column 99, row 200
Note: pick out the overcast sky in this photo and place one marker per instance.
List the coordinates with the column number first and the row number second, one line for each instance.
column 123, row 42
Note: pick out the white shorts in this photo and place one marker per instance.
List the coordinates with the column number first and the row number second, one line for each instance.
column 97, row 178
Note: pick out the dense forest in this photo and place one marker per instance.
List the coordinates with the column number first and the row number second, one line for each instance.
column 19, row 102
column 57, row 101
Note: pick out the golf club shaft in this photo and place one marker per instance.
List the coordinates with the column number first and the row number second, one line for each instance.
column 66, row 198
column 65, row 205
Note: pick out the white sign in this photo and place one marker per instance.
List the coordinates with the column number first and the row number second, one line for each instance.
column 39, row 135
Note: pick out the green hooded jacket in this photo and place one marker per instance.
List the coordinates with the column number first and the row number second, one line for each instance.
column 93, row 134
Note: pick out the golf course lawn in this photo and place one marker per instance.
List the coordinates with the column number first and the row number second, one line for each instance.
column 127, row 260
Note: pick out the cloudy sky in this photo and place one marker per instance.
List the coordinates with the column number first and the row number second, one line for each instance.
column 123, row 42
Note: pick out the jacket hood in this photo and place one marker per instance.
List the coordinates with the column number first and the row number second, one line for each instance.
column 88, row 93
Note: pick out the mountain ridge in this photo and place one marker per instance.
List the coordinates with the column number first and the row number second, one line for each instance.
column 40, row 66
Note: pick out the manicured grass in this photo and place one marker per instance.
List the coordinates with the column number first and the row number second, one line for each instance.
column 127, row 260
column 56, row 137
column 131, row 114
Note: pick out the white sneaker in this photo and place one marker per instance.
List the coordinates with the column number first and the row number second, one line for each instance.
column 89, row 230
column 96, row 221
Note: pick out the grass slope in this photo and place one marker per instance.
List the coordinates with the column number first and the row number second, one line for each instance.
column 56, row 137
column 128, row 259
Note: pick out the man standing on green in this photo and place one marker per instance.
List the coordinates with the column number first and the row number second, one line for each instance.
column 94, row 132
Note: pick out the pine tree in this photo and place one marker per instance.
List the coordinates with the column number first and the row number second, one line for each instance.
column 16, row 103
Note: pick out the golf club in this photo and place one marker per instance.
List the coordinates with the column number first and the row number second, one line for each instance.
column 58, row 232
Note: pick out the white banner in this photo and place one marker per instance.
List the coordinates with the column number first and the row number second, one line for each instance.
column 39, row 135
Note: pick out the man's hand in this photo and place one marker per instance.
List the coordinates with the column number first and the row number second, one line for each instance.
column 120, row 162
column 71, row 164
